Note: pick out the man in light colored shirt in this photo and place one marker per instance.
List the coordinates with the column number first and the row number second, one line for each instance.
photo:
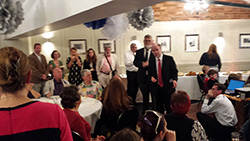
column 89, row 87
column 106, row 66
column 55, row 85
column 40, row 69
column 131, row 71
column 223, row 119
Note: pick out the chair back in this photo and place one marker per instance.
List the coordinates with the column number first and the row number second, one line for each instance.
column 128, row 119
column 76, row 136
column 200, row 81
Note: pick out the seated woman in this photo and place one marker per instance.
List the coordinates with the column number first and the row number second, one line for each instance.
column 22, row 118
column 186, row 129
column 154, row 127
column 115, row 102
column 71, row 101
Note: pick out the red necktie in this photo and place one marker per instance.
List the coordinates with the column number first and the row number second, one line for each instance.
column 160, row 82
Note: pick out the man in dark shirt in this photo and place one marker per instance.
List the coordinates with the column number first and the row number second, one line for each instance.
column 54, row 86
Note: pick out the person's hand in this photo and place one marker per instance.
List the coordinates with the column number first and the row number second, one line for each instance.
column 170, row 135
column 153, row 79
column 77, row 56
column 210, row 94
column 145, row 64
column 49, row 94
column 44, row 77
column 92, row 69
column 99, row 138
column 174, row 84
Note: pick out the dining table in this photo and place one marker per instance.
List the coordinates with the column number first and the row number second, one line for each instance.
column 90, row 109
column 191, row 86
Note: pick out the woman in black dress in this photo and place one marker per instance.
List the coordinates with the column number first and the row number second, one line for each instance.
column 211, row 58
column 90, row 63
column 74, row 64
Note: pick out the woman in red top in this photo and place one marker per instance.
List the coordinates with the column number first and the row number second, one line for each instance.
column 71, row 101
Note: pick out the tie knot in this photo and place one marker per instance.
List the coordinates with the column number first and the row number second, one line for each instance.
column 159, row 59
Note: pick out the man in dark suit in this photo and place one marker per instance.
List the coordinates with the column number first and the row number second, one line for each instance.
column 142, row 61
column 163, row 78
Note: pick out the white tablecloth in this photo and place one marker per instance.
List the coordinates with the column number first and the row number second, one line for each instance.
column 190, row 84
column 90, row 109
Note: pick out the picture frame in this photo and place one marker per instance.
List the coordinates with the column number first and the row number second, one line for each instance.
column 192, row 42
column 104, row 42
column 244, row 41
column 165, row 42
column 79, row 44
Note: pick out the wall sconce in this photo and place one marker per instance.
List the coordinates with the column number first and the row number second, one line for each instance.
column 219, row 42
column 48, row 35
column 48, row 46
column 135, row 41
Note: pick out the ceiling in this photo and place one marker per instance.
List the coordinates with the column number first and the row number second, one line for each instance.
column 109, row 9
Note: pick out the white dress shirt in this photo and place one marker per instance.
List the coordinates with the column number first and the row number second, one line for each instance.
column 149, row 52
column 39, row 57
column 156, row 62
column 128, row 60
column 223, row 109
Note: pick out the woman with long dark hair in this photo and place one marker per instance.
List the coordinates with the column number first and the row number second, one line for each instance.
column 211, row 58
column 90, row 63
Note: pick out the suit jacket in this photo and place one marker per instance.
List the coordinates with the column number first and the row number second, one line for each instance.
column 168, row 71
column 38, row 68
column 100, row 62
column 50, row 86
column 141, row 74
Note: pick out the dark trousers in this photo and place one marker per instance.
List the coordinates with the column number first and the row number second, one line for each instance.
column 214, row 129
column 132, row 85
column 144, row 87
column 162, row 97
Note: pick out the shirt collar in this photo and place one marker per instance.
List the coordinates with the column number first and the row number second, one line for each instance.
column 37, row 54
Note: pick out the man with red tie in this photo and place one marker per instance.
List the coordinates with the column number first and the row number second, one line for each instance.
column 163, row 78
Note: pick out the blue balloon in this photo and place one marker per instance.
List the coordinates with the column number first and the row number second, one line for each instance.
column 96, row 24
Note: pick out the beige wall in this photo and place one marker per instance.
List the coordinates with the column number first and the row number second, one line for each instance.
column 232, row 57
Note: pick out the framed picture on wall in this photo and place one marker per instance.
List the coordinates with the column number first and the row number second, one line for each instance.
column 244, row 40
column 105, row 43
column 192, row 42
column 165, row 42
column 79, row 44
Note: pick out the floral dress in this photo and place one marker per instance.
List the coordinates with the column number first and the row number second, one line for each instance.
column 74, row 72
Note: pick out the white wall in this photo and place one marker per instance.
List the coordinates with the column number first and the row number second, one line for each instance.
column 232, row 57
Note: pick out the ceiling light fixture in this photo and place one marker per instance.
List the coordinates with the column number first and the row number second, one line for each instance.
column 196, row 6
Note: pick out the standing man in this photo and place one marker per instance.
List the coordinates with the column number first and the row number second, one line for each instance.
column 55, row 85
column 163, row 78
column 131, row 71
column 40, row 69
column 142, row 61
column 222, row 119
column 107, row 66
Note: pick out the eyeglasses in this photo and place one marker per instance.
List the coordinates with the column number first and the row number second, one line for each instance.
column 147, row 40
column 149, row 122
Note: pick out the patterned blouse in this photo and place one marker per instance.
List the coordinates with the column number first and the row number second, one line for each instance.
column 94, row 90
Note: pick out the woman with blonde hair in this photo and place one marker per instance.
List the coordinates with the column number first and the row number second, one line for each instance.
column 211, row 58
column 21, row 117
